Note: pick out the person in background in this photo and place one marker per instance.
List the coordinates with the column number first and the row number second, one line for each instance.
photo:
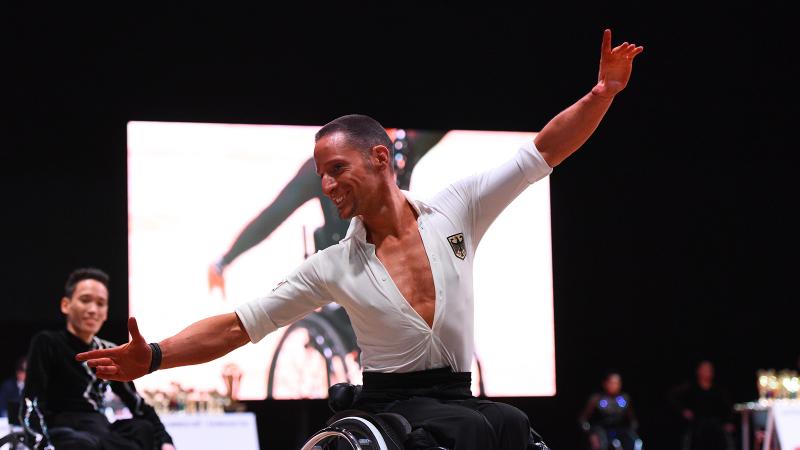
column 67, row 396
column 608, row 418
column 11, row 389
column 706, row 411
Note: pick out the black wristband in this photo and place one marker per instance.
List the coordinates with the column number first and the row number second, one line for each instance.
column 155, row 357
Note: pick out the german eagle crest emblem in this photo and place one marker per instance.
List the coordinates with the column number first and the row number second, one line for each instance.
column 457, row 244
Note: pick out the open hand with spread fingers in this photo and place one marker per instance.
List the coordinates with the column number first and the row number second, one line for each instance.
column 615, row 66
column 124, row 363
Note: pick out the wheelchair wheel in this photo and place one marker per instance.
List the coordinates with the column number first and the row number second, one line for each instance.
column 311, row 355
column 16, row 440
column 350, row 433
column 356, row 430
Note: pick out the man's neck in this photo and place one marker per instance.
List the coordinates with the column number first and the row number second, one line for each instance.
column 87, row 338
column 391, row 218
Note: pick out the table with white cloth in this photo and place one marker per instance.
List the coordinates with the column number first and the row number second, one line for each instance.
column 779, row 419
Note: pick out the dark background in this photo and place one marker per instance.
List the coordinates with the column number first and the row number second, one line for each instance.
column 673, row 228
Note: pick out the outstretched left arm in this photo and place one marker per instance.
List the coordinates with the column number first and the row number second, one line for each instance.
column 200, row 342
column 570, row 129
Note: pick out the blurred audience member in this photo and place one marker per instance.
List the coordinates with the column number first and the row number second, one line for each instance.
column 67, row 394
column 608, row 418
column 706, row 411
column 11, row 389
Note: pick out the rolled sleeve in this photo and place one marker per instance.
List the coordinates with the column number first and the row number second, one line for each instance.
column 255, row 319
column 532, row 163
column 488, row 193
column 301, row 293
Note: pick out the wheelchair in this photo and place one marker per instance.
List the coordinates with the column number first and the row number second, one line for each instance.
column 23, row 435
column 351, row 429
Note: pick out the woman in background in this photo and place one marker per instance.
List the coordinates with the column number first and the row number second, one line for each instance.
column 608, row 418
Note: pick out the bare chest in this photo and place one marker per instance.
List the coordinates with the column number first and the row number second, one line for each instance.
column 407, row 263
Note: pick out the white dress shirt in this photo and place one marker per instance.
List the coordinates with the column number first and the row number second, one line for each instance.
column 392, row 336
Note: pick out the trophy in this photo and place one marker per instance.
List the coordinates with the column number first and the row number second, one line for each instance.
column 790, row 384
column 232, row 376
column 763, row 384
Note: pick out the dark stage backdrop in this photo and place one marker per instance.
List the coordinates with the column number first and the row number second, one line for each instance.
column 673, row 235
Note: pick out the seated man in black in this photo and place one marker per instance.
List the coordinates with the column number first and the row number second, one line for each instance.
column 68, row 395
column 706, row 410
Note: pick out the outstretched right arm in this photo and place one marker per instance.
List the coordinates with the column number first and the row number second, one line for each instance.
column 200, row 342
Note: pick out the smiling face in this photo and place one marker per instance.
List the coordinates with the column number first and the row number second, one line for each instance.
column 350, row 177
column 86, row 309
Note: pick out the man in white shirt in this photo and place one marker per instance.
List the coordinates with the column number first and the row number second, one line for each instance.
column 403, row 273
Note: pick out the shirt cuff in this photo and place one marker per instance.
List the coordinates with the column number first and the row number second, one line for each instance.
column 257, row 322
column 532, row 163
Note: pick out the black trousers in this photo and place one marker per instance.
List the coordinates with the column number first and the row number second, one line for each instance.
column 707, row 434
column 440, row 402
column 92, row 431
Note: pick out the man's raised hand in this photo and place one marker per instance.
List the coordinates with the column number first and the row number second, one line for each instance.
column 615, row 66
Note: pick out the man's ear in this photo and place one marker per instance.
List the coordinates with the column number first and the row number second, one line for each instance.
column 64, row 305
column 381, row 156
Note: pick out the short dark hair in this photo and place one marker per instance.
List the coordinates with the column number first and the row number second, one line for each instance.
column 700, row 361
column 608, row 373
column 362, row 132
column 19, row 364
column 84, row 273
